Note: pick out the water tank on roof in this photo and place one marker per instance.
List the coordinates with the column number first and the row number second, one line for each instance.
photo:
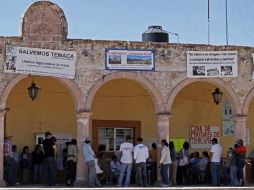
column 155, row 34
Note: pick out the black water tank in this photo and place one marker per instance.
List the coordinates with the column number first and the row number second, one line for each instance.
column 155, row 34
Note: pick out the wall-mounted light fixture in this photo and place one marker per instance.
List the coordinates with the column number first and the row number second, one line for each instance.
column 33, row 90
column 217, row 96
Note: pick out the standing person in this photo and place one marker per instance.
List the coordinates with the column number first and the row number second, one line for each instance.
column 49, row 162
column 233, row 168
column 37, row 161
column 89, row 155
column 240, row 151
column 173, row 165
column 126, row 150
column 16, row 165
column 153, row 162
column 9, row 162
column 140, row 156
column 72, row 152
column 215, row 155
column 26, row 164
column 164, row 163
column 183, row 164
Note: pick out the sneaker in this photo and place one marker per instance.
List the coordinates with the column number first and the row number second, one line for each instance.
column 164, row 185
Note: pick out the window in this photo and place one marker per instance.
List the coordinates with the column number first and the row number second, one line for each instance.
column 113, row 137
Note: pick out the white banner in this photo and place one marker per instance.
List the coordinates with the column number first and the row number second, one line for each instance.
column 43, row 62
column 117, row 59
column 202, row 64
column 201, row 136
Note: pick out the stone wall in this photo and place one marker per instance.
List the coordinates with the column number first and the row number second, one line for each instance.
column 171, row 64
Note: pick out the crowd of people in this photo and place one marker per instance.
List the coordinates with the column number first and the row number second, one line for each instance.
column 138, row 165
column 131, row 164
column 42, row 160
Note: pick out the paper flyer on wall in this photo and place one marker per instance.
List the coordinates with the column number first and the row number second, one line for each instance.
column 203, row 64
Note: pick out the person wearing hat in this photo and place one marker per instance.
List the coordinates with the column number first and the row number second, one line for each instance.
column 215, row 155
column 49, row 162
column 126, row 149
column 89, row 155
column 240, row 151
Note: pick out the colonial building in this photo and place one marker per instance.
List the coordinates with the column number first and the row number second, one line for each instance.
column 158, row 102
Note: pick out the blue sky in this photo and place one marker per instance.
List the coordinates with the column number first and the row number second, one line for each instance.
column 128, row 19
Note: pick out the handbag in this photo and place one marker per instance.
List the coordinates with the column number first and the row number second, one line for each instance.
column 183, row 161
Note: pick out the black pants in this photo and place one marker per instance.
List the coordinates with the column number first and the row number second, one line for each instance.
column 72, row 170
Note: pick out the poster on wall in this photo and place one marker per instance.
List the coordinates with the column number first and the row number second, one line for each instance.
column 124, row 59
column 228, row 125
column 203, row 64
column 37, row 61
column 201, row 136
column 178, row 143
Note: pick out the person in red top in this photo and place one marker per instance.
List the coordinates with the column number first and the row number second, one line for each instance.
column 240, row 151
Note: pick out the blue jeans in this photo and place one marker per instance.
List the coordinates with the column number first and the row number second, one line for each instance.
column 215, row 173
column 37, row 173
column 92, row 177
column 164, row 174
column 125, row 166
column 233, row 176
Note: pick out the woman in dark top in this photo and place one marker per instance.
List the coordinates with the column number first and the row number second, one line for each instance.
column 37, row 160
column 173, row 165
column 26, row 164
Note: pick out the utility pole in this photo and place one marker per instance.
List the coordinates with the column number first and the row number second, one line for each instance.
column 208, row 19
column 226, row 6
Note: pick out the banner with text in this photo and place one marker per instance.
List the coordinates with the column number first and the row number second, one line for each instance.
column 117, row 59
column 202, row 64
column 37, row 61
column 201, row 136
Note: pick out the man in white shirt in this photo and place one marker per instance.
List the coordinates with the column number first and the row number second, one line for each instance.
column 126, row 150
column 140, row 156
column 215, row 156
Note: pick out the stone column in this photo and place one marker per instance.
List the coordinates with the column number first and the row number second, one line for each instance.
column 162, row 133
column 163, row 126
column 2, row 132
column 240, row 127
column 83, row 119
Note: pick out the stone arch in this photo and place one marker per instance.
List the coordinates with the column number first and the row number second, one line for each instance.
column 215, row 81
column 44, row 21
column 145, row 83
column 247, row 102
column 68, row 84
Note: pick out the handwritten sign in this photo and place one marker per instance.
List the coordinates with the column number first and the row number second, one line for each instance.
column 201, row 135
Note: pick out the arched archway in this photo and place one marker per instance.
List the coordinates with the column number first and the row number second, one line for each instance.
column 145, row 83
column 123, row 105
column 70, row 85
column 230, row 93
column 191, row 104
column 55, row 110
column 247, row 102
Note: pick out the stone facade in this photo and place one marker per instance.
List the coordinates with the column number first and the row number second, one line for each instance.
column 44, row 26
